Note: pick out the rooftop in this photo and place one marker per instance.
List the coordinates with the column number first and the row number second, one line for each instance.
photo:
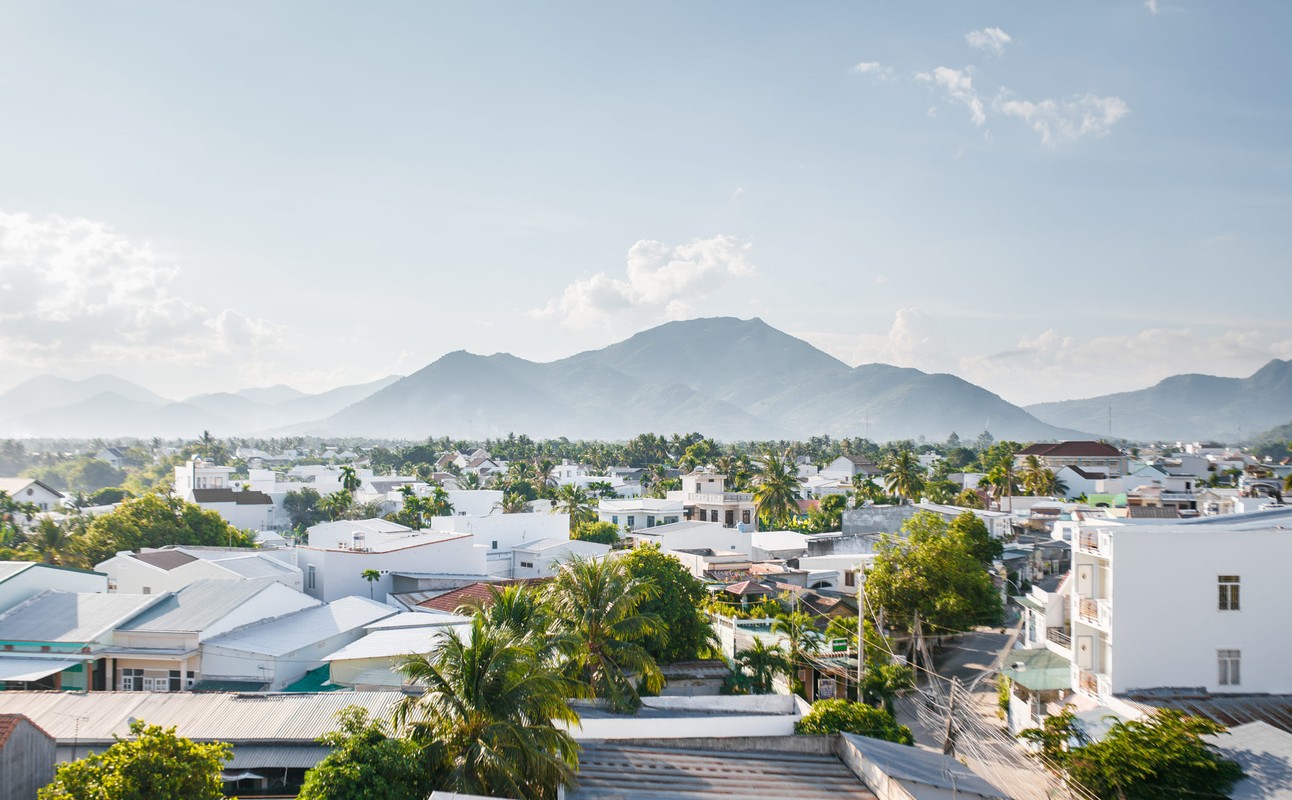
column 73, row 618
column 480, row 593
column 393, row 643
column 243, row 498
column 1229, row 710
column 1076, row 449
column 197, row 606
column 291, row 632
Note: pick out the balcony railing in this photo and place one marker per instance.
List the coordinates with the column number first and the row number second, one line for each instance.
column 1095, row 612
column 1059, row 636
column 1088, row 682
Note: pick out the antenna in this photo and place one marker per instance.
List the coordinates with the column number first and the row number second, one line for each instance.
column 1110, row 420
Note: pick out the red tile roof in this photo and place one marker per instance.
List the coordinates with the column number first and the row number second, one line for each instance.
column 10, row 722
column 745, row 588
column 472, row 594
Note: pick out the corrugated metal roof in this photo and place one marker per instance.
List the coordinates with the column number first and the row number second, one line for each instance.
column 197, row 606
column 72, row 617
column 255, row 566
column 31, row 669
column 1228, row 710
column 234, row 718
column 913, row 765
column 8, row 569
column 417, row 619
column 395, row 643
column 303, row 756
column 291, row 632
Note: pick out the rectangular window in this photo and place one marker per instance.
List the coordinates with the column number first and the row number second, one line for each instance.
column 744, row 516
column 1228, row 585
column 614, row 519
column 1229, row 667
column 631, row 522
column 849, row 579
column 527, row 564
column 174, row 681
column 310, row 572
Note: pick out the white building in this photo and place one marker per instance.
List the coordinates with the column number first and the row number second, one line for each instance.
column 543, row 558
column 499, row 532
column 169, row 569
column 279, row 651
column 845, row 467
column 28, row 490
column 639, row 512
column 694, row 535
column 704, row 498
column 372, row 662
column 1197, row 603
column 339, row 553
column 197, row 473
column 20, row 580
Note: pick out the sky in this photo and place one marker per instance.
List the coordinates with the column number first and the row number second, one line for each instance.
column 1052, row 200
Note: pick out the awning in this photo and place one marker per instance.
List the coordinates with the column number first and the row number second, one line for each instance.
column 231, row 777
column 32, row 669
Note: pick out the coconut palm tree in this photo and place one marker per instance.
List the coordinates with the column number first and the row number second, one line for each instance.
column 470, row 481
column 512, row 503
column 371, row 576
column 595, row 602
column 350, row 480
column 762, row 664
column 336, row 505
column 573, row 499
column 801, row 636
column 490, row 703
column 776, row 490
column 904, row 477
column 521, row 612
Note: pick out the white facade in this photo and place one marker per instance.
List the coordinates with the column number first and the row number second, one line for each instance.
column 474, row 503
column 22, row 580
column 199, row 474
column 704, row 499
column 696, row 536
column 339, row 553
column 27, row 490
column 542, row 559
column 639, row 512
column 499, row 532
column 1193, row 604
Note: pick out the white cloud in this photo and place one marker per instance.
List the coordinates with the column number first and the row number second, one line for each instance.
column 660, row 281
column 993, row 40
column 75, row 292
column 1151, row 5
column 1068, row 119
column 874, row 69
column 958, row 86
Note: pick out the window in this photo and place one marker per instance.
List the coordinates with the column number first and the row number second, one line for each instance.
column 614, row 519
column 146, row 590
column 132, row 680
column 631, row 522
column 1228, row 662
column 174, row 683
column 744, row 516
column 495, row 545
column 310, row 573
column 1228, row 585
column 849, row 579
column 527, row 564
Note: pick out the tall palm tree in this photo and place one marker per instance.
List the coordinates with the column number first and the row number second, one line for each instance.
column 595, row 602
column 573, row 499
column 903, row 476
column 350, row 480
column 470, row 481
column 371, row 576
column 776, row 490
column 511, row 503
column 762, row 664
column 521, row 612
column 801, row 636
column 490, row 703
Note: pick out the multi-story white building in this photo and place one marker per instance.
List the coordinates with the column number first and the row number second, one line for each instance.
column 639, row 512
column 1196, row 604
column 704, row 499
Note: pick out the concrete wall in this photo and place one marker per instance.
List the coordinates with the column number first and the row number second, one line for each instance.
column 34, row 580
column 339, row 572
column 507, row 530
column 698, row 716
column 876, row 519
column 26, row 762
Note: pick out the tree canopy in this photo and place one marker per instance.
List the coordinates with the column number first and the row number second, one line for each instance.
column 841, row 716
column 153, row 764
column 157, row 521
column 368, row 763
column 683, row 632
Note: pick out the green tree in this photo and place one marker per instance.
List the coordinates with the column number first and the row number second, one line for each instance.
column 776, row 490
column 597, row 604
column 154, row 764
column 969, row 499
column 828, row 515
column 599, row 532
column 931, row 573
column 490, row 703
column 350, row 480
column 683, row 632
column 1159, row 757
column 801, row 637
column 157, row 521
column 841, row 716
column 371, row 576
column 903, row 475
column 761, row 664
column 49, row 541
column 572, row 499
column 303, row 508
column 337, row 505
column 366, row 762
column 973, row 532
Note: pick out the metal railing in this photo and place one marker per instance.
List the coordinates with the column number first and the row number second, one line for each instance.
column 1059, row 636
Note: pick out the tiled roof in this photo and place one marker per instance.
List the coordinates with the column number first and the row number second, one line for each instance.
column 1071, row 450
column 165, row 559
column 10, row 722
column 747, row 588
column 473, row 594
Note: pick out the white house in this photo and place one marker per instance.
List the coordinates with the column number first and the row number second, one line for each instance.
column 279, row 651
column 499, row 532
column 169, row 569
column 20, row 580
column 639, row 512
column 28, row 490
column 704, row 498
column 197, row 473
column 340, row 553
column 372, row 661
column 1197, row 603
column 243, row 509
column 997, row 522
column 694, row 535
column 543, row 558
column 845, row 467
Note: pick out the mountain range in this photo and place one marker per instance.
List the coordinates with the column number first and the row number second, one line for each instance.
column 728, row 378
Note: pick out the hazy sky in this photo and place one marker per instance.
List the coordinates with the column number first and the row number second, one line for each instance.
column 1049, row 199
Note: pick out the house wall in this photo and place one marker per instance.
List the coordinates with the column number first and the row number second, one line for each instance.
column 547, row 562
column 475, row 503
column 876, row 519
column 34, row 580
column 43, row 498
column 1166, row 624
column 227, row 662
column 507, row 530
column 347, row 673
column 249, row 517
column 26, row 762
column 339, row 572
column 709, row 537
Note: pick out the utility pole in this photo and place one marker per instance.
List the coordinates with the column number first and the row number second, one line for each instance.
column 949, row 735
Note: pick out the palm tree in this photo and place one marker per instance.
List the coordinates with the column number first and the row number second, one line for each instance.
column 438, row 504
column 572, row 499
column 904, row 476
column 762, row 664
column 350, row 480
column 520, row 611
column 490, row 703
column 336, row 505
column 776, row 492
column 799, row 630
column 470, row 481
column 602, row 489
column 371, row 576
column 512, row 503
column 595, row 602
column 49, row 540
column 207, row 444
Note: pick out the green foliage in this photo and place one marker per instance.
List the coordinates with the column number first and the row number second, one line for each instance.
column 157, row 521
column 933, row 573
column 973, row 532
column 841, row 716
column 368, row 763
column 1160, row 757
column 776, row 490
column 969, row 499
column 489, row 702
column 597, row 605
column 83, row 474
column 599, row 532
column 154, row 764
column 903, row 475
column 1003, row 692
column 683, row 630
column 303, row 508
column 107, row 497
column 759, row 665
column 574, row 500
column 882, row 682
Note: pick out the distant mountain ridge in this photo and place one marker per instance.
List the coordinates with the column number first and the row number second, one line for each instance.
column 727, row 378
column 1185, row 407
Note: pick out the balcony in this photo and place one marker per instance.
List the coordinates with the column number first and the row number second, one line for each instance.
column 1095, row 543
column 1095, row 612
column 1059, row 636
